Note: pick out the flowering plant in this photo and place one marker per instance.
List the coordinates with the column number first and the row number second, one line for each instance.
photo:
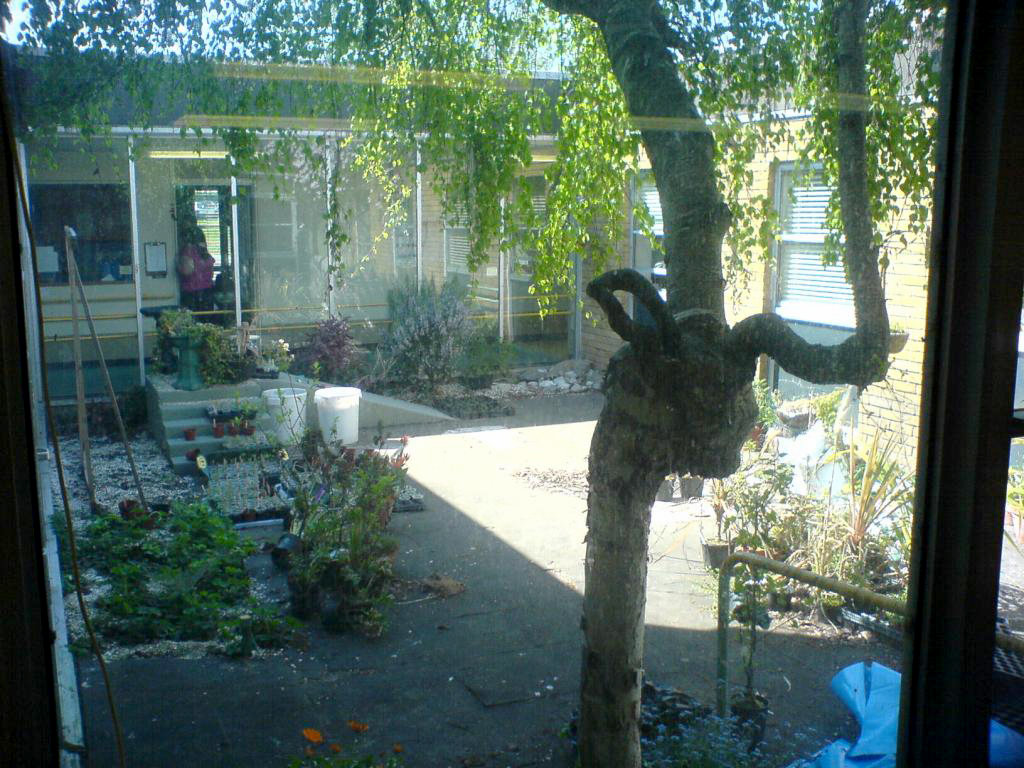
column 279, row 353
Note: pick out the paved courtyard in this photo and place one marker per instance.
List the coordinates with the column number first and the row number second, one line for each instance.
column 490, row 676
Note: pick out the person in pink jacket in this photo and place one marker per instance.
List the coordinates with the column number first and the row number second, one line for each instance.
column 195, row 272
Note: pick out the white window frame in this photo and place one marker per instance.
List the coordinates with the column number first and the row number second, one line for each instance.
column 824, row 311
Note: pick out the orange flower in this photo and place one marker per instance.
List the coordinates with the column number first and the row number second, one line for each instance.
column 398, row 749
column 358, row 727
column 335, row 748
column 313, row 736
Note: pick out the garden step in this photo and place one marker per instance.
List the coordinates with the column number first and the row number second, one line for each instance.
column 183, row 466
column 197, row 408
column 174, row 427
column 207, row 444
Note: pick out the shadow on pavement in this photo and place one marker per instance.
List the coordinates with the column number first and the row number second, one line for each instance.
column 486, row 678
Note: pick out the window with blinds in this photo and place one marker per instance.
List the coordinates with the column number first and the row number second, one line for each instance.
column 649, row 194
column 456, row 242
column 808, row 290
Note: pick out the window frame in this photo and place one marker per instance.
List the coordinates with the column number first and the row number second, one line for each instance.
column 840, row 313
column 974, row 303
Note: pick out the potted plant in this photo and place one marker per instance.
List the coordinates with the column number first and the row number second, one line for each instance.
column 749, row 707
column 190, row 433
column 234, row 425
column 249, row 413
column 897, row 339
column 717, row 549
column 306, row 597
column 218, row 429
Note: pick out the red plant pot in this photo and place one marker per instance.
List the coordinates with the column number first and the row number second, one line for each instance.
column 233, row 430
column 190, row 433
column 192, row 455
column 129, row 508
column 218, row 430
column 248, row 429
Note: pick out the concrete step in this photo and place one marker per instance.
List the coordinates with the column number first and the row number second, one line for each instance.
column 207, row 444
column 197, row 408
column 183, row 466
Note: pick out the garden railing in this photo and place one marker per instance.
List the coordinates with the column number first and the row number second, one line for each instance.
column 1005, row 641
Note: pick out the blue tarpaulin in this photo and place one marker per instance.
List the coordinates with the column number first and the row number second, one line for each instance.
column 872, row 693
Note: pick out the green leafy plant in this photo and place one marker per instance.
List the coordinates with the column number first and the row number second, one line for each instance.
column 767, row 401
column 484, row 357
column 178, row 575
column 278, row 353
column 429, row 331
column 826, row 407
column 341, row 510
column 713, row 742
column 878, row 488
column 1015, row 503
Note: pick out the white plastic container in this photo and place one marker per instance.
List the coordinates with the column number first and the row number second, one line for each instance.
column 287, row 409
column 338, row 412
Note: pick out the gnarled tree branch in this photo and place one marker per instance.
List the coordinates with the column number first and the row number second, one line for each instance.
column 602, row 291
column 863, row 358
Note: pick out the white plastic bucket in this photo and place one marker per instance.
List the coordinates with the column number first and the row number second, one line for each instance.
column 287, row 409
column 338, row 412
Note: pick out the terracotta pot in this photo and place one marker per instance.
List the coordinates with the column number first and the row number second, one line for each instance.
column 248, row 429
column 715, row 552
column 218, row 430
column 193, row 454
column 190, row 433
column 233, row 430
column 129, row 508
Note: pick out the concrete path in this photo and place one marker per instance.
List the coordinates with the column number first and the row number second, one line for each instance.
column 486, row 678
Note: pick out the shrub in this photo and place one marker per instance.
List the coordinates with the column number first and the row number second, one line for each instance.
column 429, row 331
column 219, row 360
column 329, row 351
column 341, row 511
column 767, row 403
column 483, row 355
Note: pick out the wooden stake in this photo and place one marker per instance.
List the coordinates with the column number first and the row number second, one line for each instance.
column 76, row 345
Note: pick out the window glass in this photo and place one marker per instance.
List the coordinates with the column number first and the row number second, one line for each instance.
column 417, row 366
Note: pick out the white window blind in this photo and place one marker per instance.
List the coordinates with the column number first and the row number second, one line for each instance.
column 809, row 290
column 456, row 241
column 649, row 194
column 456, row 250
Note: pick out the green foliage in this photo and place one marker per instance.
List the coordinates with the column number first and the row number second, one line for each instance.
column 767, row 403
column 341, row 511
column 429, row 330
column 484, row 356
column 1015, row 502
column 446, row 88
column 219, row 360
column 826, row 407
column 879, row 489
column 177, row 576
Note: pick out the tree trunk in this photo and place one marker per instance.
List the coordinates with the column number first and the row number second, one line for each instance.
column 623, row 482
column 678, row 395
